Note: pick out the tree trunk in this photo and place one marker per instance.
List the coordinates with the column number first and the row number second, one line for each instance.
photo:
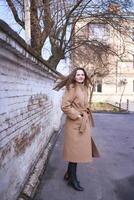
column 91, row 95
column 54, row 61
column 121, row 97
column 57, row 55
column 36, row 42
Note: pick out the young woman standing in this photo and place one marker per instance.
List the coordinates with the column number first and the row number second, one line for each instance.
column 78, row 144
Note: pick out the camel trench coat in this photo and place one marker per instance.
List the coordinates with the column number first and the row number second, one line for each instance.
column 78, row 144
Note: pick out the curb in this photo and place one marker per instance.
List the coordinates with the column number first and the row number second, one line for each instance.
column 109, row 112
column 33, row 181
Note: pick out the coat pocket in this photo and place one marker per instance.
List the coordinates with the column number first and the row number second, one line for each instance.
column 77, row 123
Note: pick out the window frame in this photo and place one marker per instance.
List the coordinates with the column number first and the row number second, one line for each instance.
column 98, row 86
column 102, row 28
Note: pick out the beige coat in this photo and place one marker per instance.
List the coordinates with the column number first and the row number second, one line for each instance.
column 78, row 144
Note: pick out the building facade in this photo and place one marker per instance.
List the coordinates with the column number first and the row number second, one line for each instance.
column 108, row 56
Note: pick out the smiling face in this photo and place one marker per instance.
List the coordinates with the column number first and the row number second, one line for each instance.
column 80, row 76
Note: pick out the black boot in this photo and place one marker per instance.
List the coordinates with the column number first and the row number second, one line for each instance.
column 66, row 176
column 68, row 172
column 73, row 178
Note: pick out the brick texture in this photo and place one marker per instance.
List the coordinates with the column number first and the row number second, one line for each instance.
column 28, row 114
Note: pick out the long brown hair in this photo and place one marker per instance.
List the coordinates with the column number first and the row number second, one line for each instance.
column 70, row 79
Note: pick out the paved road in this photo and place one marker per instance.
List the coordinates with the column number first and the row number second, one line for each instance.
column 110, row 177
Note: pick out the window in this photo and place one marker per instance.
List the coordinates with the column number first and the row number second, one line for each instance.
column 98, row 86
column 99, row 32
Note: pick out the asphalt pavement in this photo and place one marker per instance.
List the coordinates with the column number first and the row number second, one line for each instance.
column 110, row 177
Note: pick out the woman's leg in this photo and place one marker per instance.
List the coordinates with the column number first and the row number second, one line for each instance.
column 72, row 180
column 68, row 172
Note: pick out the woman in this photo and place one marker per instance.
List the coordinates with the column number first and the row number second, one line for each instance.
column 78, row 144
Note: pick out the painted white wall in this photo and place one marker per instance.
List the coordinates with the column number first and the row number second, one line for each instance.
column 29, row 114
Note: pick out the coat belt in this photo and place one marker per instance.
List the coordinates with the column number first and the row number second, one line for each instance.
column 86, row 114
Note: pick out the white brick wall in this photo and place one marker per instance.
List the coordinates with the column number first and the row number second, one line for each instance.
column 28, row 115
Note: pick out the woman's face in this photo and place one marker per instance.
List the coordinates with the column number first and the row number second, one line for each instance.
column 80, row 76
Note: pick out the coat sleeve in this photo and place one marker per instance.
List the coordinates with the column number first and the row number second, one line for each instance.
column 66, row 105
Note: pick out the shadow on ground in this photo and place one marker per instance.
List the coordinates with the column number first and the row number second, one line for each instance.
column 124, row 188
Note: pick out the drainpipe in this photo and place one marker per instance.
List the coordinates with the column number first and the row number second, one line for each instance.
column 27, row 22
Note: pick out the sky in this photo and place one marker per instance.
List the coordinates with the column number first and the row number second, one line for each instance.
column 6, row 15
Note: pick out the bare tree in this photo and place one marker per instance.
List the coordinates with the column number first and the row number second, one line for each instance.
column 123, row 84
column 56, row 20
column 94, row 57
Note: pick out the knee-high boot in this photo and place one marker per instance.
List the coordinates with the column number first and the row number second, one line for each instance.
column 68, row 172
column 73, row 178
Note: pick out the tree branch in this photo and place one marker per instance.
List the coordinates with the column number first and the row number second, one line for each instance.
column 15, row 14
